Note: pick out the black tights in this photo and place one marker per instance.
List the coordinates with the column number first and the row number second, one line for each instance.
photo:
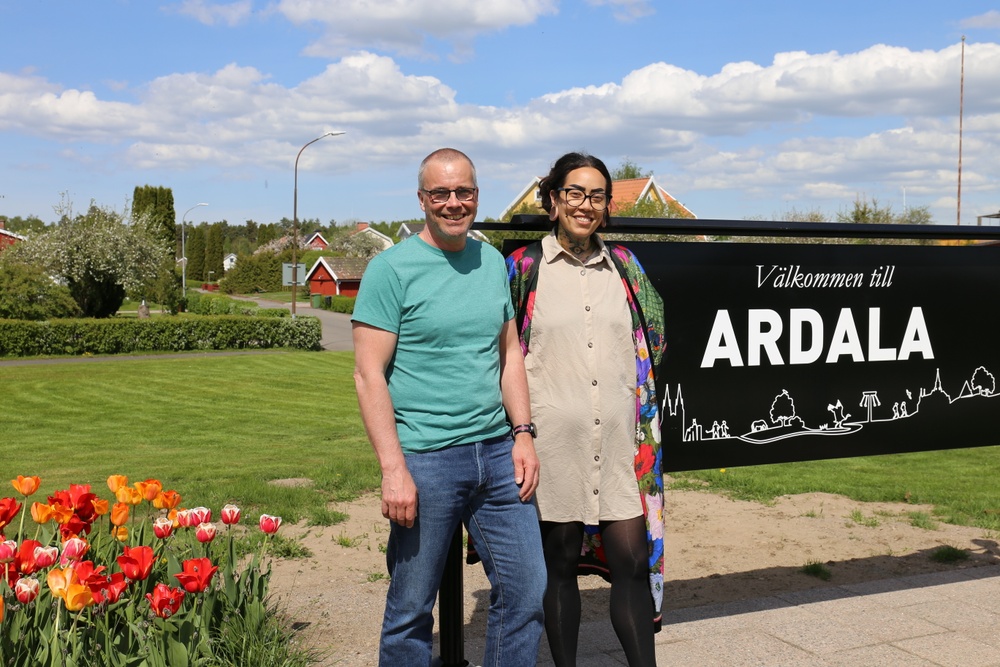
column 631, row 602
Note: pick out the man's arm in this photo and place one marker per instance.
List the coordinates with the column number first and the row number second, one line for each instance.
column 514, row 388
column 373, row 349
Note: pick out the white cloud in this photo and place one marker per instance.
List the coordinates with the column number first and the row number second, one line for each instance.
column 230, row 14
column 403, row 26
column 757, row 129
column 989, row 20
column 627, row 10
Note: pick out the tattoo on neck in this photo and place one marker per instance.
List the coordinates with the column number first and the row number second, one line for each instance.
column 580, row 248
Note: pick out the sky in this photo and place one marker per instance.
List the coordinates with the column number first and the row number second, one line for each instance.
column 739, row 109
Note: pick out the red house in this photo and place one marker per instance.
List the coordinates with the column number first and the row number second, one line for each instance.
column 336, row 276
column 317, row 242
column 8, row 238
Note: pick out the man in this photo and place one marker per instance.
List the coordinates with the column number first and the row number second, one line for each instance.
column 438, row 371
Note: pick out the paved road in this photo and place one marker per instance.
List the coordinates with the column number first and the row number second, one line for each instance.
column 336, row 326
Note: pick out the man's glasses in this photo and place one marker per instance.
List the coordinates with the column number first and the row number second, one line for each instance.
column 442, row 196
column 575, row 198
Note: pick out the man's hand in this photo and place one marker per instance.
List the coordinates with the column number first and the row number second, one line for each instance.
column 399, row 497
column 526, row 465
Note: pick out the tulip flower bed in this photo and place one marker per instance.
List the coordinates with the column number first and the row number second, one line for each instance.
column 136, row 580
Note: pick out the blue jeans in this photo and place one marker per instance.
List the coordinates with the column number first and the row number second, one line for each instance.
column 474, row 484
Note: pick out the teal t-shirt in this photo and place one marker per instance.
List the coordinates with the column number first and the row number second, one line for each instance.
column 447, row 310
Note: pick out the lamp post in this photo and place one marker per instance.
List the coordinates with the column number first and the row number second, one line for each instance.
column 184, row 259
column 295, row 219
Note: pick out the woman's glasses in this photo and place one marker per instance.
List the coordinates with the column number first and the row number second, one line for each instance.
column 575, row 198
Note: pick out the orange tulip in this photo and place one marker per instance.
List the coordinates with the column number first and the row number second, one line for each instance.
column 116, row 482
column 59, row 580
column 128, row 494
column 78, row 596
column 61, row 514
column 119, row 514
column 120, row 533
column 41, row 513
column 26, row 486
column 167, row 500
column 149, row 489
column 100, row 506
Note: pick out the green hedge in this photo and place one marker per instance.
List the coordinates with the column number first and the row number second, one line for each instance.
column 163, row 334
column 339, row 304
column 201, row 303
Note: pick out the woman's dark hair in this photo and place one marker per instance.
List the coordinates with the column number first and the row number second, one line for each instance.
column 557, row 177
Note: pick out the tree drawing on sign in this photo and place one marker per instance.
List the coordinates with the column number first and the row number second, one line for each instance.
column 983, row 382
column 869, row 400
column 782, row 409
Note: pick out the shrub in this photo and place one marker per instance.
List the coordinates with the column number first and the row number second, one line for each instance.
column 339, row 304
column 118, row 336
column 27, row 293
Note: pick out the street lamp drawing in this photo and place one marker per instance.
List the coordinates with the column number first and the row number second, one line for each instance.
column 295, row 218
column 184, row 259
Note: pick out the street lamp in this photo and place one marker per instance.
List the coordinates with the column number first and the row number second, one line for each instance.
column 184, row 259
column 295, row 219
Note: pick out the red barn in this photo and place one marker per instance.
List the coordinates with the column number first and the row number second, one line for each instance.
column 8, row 238
column 336, row 276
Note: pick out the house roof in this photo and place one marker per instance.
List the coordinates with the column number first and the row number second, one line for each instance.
column 631, row 190
column 386, row 241
column 7, row 232
column 315, row 234
column 626, row 192
column 341, row 268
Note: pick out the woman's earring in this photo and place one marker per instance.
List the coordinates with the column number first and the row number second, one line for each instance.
column 553, row 214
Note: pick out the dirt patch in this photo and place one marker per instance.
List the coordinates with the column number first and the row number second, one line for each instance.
column 717, row 550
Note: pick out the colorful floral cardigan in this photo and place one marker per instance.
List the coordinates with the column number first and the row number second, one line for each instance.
column 647, row 327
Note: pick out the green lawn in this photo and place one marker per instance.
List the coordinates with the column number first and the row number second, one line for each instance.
column 214, row 428
column 218, row 428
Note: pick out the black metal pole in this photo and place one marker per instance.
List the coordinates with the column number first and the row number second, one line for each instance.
column 450, row 607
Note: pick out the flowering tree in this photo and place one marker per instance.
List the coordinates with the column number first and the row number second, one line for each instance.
column 100, row 256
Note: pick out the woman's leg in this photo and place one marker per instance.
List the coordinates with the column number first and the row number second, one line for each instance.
column 561, row 543
column 627, row 552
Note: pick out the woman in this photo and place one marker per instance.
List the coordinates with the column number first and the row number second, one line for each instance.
column 590, row 325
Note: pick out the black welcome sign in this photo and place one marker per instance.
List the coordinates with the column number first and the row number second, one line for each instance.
column 794, row 352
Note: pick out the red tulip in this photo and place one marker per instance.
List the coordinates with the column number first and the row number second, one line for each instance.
column 26, row 589
column 137, row 562
column 25, row 560
column 117, row 583
column 165, row 601
column 74, row 548
column 45, row 556
column 200, row 515
column 197, row 574
column 163, row 527
column 8, row 550
column 205, row 532
column 184, row 519
column 270, row 524
column 8, row 510
column 230, row 514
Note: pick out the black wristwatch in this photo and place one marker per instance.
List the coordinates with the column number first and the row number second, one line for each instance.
column 526, row 428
